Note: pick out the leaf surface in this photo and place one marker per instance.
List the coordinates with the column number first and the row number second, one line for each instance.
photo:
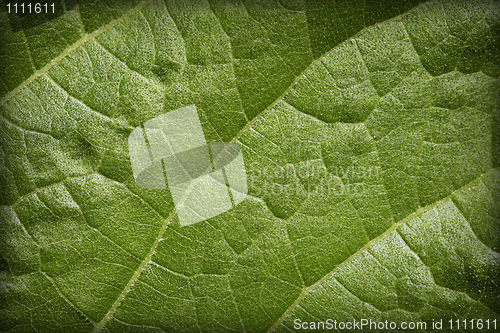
column 370, row 137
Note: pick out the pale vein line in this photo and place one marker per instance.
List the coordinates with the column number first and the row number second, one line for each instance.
column 28, row 49
column 66, row 299
column 147, row 260
column 232, row 62
column 308, row 68
column 389, row 231
column 70, row 49
column 167, row 221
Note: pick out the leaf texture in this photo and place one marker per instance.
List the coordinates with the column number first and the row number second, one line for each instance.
column 370, row 136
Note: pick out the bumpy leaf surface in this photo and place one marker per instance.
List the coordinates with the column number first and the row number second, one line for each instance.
column 370, row 136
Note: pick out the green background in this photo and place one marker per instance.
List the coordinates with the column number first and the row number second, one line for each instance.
column 397, row 98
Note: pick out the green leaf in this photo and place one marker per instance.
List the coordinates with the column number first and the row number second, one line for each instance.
column 370, row 137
